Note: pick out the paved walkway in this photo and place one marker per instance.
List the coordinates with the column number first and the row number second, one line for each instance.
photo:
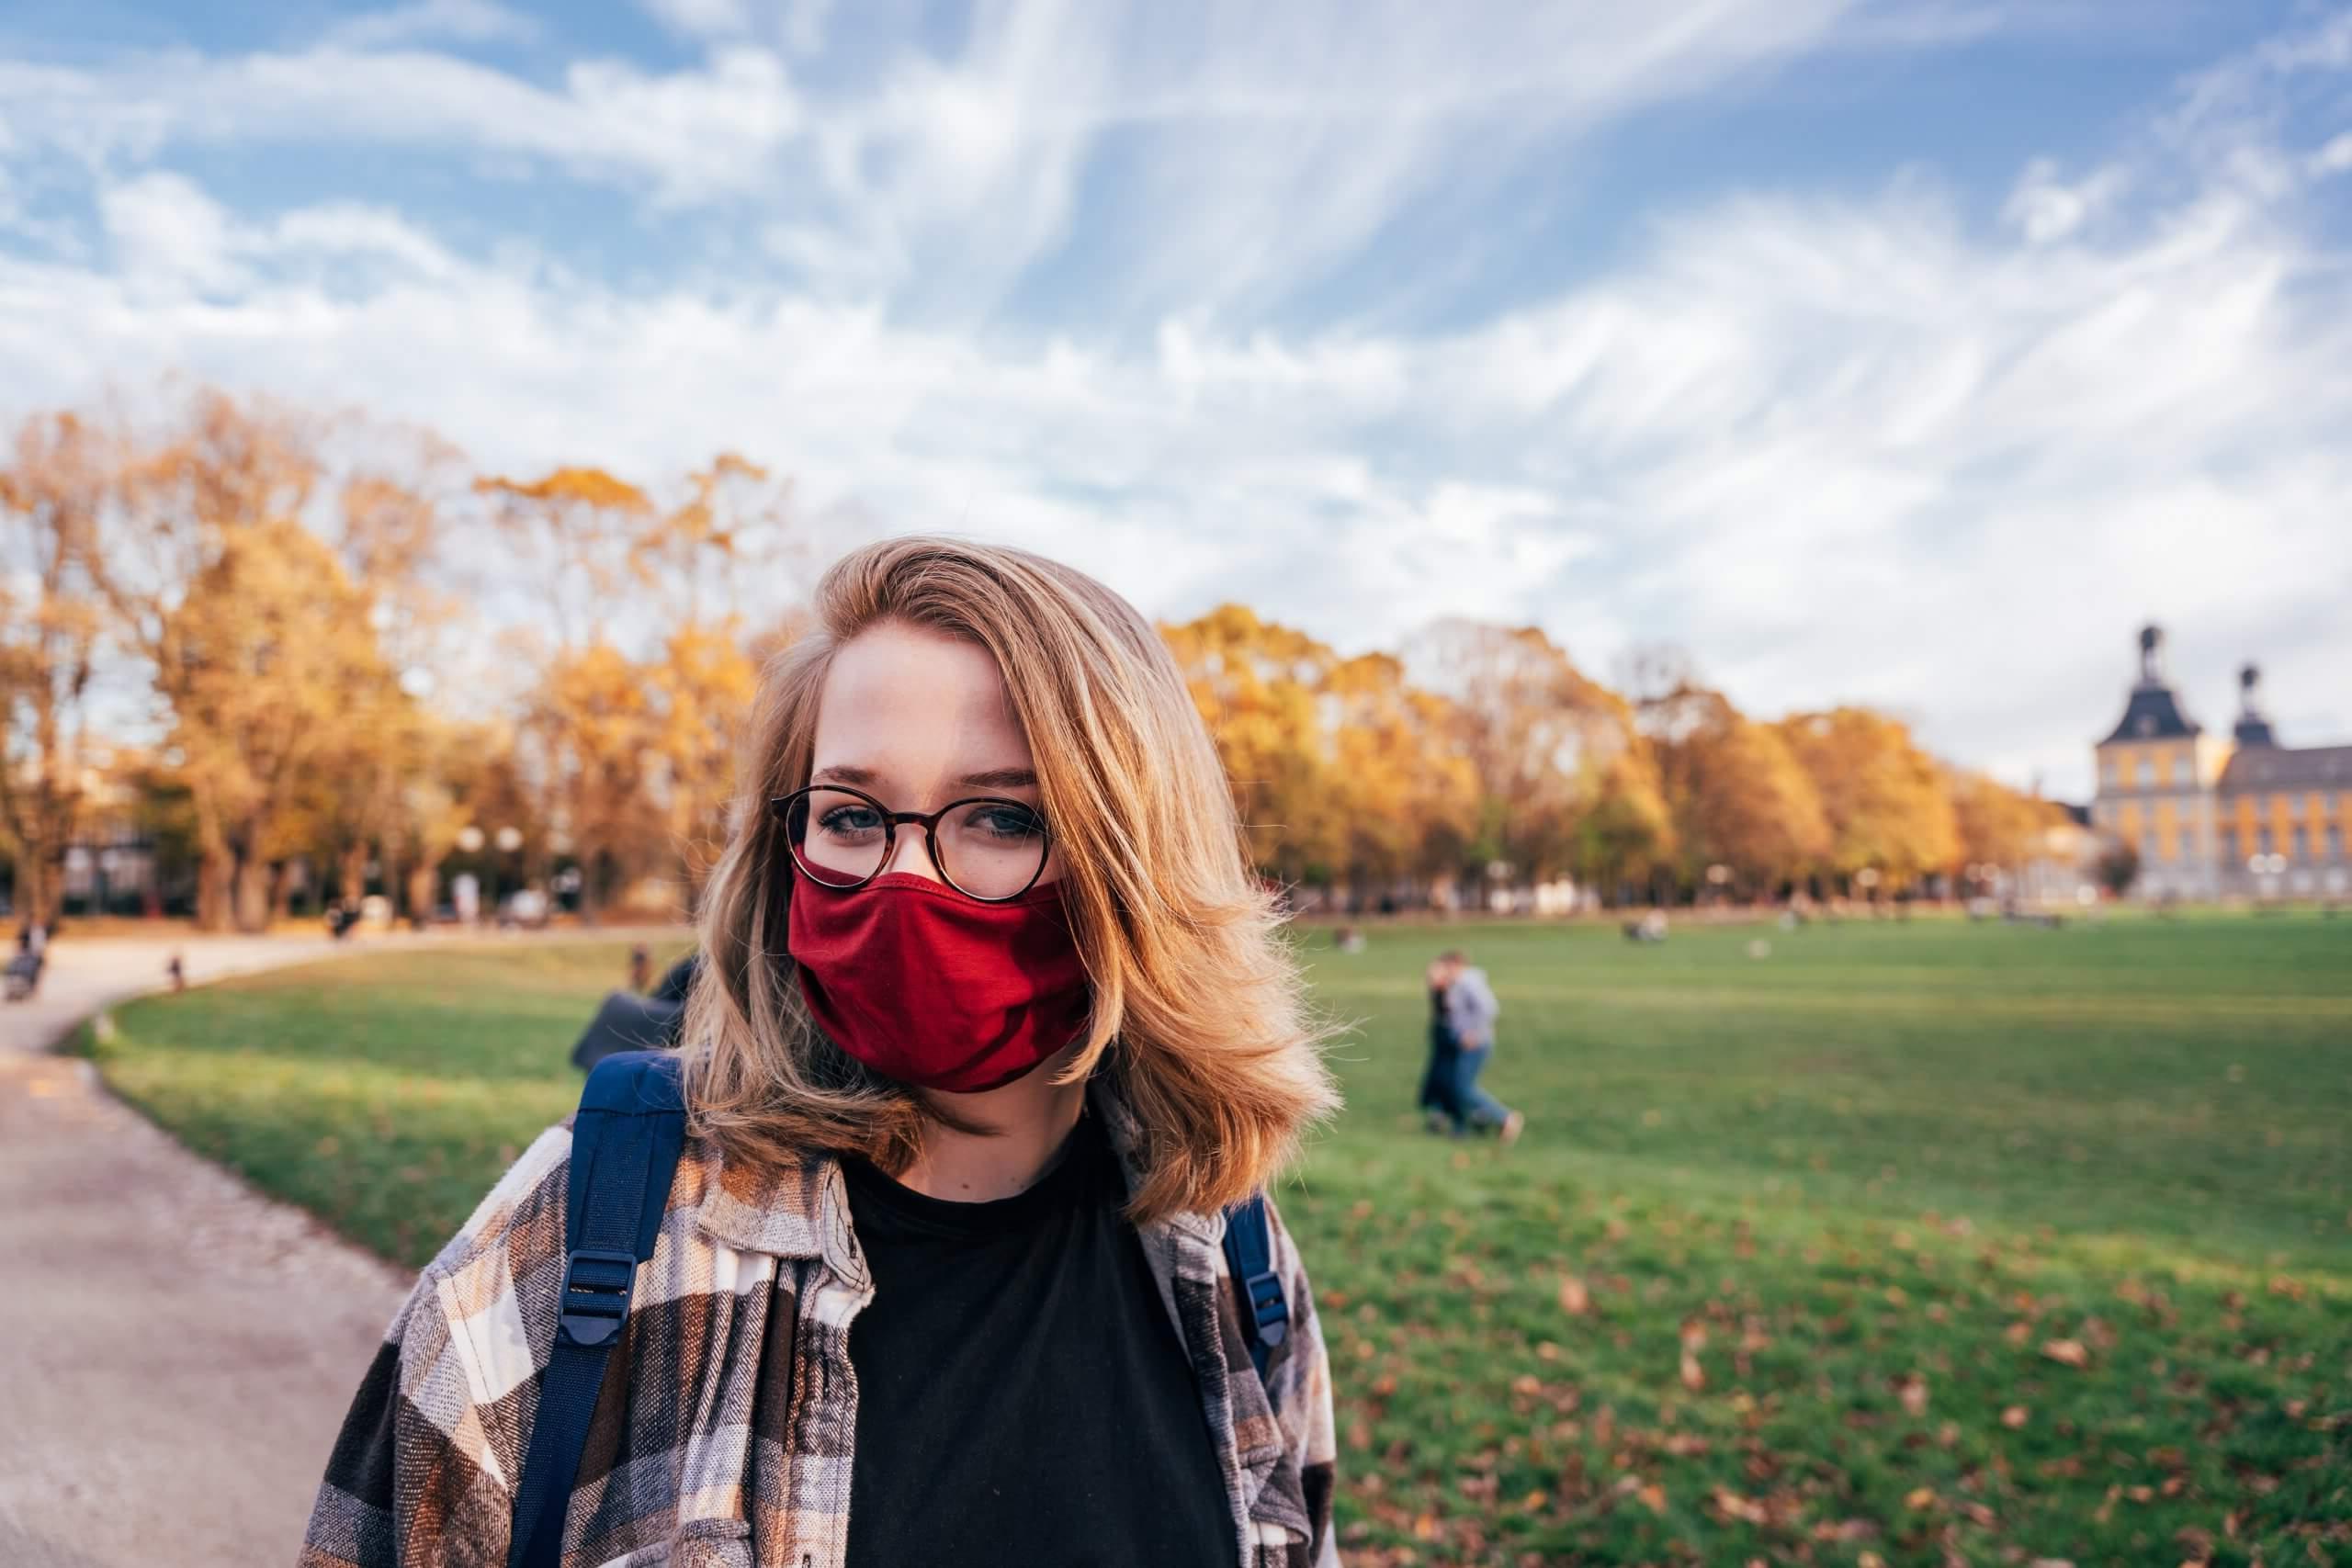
column 176, row 1349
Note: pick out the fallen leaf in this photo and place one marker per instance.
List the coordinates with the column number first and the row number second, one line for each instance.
column 1574, row 1299
column 2013, row 1416
column 1914, row 1390
column 1653, row 1497
column 2066, row 1352
column 1920, row 1498
column 1694, row 1376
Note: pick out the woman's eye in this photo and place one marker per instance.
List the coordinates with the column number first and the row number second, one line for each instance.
column 846, row 819
column 1011, row 822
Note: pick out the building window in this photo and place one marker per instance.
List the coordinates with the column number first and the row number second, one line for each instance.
column 2295, row 844
column 2147, row 772
column 2229, row 846
column 2180, row 769
column 2262, row 841
column 2334, row 843
column 2148, row 849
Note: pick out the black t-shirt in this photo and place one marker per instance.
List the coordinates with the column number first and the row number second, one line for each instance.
column 1022, row 1396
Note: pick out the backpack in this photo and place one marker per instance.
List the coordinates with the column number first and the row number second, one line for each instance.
column 625, row 1146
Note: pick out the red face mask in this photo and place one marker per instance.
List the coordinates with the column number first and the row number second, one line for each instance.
column 936, row 989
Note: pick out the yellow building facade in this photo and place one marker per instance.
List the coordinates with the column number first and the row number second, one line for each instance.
column 2213, row 816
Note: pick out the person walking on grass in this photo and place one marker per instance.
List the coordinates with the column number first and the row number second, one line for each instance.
column 1439, row 1100
column 1471, row 1009
column 992, row 1053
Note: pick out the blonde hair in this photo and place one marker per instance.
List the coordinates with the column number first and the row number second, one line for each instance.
column 1199, row 1013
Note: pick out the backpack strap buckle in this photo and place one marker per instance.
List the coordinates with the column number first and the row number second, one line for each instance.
column 1268, row 1306
column 597, row 1290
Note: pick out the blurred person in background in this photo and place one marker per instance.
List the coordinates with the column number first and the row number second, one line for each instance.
column 1471, row 1009
column 1439, row 1100
column 992, row 1026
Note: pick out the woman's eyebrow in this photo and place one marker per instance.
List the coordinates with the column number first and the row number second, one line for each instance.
column 863, row 778
column 999, row 778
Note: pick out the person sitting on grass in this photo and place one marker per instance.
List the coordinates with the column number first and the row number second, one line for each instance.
column 1471, row 1009
column 993, row 1037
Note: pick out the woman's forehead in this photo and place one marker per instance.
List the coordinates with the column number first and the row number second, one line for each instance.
column 906, row 706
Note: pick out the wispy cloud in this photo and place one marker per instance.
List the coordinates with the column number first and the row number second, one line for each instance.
column 426, row 21
column 682, row 136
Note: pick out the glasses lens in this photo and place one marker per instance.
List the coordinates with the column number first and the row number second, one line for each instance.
column 991, row 848
column 838, row 838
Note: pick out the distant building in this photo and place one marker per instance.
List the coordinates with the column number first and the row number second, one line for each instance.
column 2213, row 816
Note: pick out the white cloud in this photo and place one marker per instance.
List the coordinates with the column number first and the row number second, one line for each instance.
column 686, row 135
column 701, row 17
column 167, row 234
column 465, row 21
column 2046, row 208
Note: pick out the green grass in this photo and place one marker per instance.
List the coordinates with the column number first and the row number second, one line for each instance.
column 1790, row 1264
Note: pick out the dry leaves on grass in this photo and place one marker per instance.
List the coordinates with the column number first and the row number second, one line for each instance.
column 1694, row 1339
column 2066, row 1352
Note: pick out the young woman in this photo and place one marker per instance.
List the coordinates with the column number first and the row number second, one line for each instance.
column 990, row 1026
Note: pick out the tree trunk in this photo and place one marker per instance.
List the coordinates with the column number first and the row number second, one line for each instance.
column 253, row 894
column 424, row 889
column 37, row 886
column 352, row 872
column 214, row 876
column 281, row 890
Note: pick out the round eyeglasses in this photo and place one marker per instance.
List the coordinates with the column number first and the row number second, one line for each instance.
column 985, row 848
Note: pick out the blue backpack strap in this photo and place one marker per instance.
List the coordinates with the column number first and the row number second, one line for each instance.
column 1250, row 1253
column 625, row 1144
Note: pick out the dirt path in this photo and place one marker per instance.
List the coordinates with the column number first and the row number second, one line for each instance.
column 176, row 1349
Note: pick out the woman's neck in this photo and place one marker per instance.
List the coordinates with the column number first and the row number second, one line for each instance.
column 1019, row 1129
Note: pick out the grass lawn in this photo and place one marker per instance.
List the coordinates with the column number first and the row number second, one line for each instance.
column 1906, row 1243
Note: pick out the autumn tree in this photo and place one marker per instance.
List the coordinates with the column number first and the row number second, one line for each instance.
column 51, row 491
column 1255, row 685
column 261, row 645
column 1997, row 826
column 639, row 639
column 1406, row 797
column 1882, row 795
column 1561, row 783
column 1738, row 797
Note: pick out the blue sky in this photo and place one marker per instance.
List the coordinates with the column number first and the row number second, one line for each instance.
column 1909, row 352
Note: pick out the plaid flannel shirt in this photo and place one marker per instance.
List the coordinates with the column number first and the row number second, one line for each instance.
column 692, row 1459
